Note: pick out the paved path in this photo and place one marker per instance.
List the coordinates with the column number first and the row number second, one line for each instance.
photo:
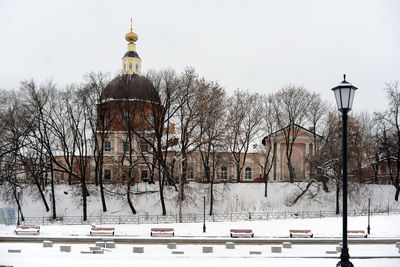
column 195, row 240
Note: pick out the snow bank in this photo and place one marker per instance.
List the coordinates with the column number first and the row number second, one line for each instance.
column 228, row 198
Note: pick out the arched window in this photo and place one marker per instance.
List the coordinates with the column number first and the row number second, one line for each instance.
column 247, row 173
column 189, row 173
column 107, row 174
column 144, row 175
column 224, row 173
column 150, row 119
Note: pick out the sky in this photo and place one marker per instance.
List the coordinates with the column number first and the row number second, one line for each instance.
column 260, row 46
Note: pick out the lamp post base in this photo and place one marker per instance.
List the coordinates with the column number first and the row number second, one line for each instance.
column 344, row 258
column 344, row 264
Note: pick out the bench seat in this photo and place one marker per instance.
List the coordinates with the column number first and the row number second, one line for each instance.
column 27, row 229
column 162, row 232
column 301, row 233
column 102, row 231
column 242, row 233
column 356, row 234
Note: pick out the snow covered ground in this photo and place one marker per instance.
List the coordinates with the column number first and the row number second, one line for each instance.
column 33, row 254
column 229, row 198
column 381, row 226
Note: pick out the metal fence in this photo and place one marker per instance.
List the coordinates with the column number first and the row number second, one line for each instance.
column 195, row 218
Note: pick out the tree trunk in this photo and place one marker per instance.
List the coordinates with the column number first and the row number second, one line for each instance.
column 237, row 174
column 161, row 186
column 53, row 197
column 180, row 198
column 337, row 197
column 19, row 206
column 96, row 173
column 42, row 195
column 211, row 198
column 266, row 185
column 128, row 197
column 292, row 171
column 396, row 196
column 103, row 199
column 84, row 201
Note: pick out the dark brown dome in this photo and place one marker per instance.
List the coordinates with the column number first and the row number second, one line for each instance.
column 130, row 86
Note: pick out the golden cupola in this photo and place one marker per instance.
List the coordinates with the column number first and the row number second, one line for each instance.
column 131, row 62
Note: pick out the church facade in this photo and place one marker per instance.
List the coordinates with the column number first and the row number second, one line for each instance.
column 125, row 132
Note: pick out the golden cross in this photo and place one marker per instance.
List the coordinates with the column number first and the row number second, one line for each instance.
column 131, row 23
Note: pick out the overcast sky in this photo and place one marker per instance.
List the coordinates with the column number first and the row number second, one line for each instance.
column 256, row 45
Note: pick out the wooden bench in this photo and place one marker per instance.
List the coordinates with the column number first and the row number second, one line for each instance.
column 106, row 231
column 300, row 233
column 162, row 232
column 27, row 229
column 242, row 233
column 356, row 234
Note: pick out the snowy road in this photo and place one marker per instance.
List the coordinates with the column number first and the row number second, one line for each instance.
column 33, row 254
column 367, row 255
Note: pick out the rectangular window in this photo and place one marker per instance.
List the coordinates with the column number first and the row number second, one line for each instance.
column 224, row 173
column 144, row 146
column 144, row 175
column 137, row 66
column 107, row 175
column 126, row 116
column 107, row 146
column 125, row 146
column 247, row 173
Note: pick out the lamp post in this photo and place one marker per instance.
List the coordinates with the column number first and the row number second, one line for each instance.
column 344, row 94
column 18, row 191
column 204, row 213
column 369, row 213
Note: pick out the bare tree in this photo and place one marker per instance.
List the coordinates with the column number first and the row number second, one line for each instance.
column 187, row 117
column 327, row 163
column 291, row 105
column 315, row 114
column 269, row 127
column 166, row 83
column 96, row 114
column 243, row 124
column 388, row 124
column 211, row 129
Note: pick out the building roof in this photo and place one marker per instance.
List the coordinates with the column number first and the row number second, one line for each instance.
column 131, row 54
column 296, row 125
column 132, row 87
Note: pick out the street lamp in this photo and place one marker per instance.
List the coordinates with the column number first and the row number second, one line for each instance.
column 369, row 213
column 344, row 94
column 18, row 191
column 204, row 213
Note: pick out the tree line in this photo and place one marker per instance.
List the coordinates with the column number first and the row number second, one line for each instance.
column 45, row 129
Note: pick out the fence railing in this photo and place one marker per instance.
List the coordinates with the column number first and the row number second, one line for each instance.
column 193, row 218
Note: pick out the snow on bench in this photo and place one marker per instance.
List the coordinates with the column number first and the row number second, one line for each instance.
column 162, row 232
column 27, row 229
column 301, row 233
column 107, row 231
column 242, row 233
column 356, row 234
